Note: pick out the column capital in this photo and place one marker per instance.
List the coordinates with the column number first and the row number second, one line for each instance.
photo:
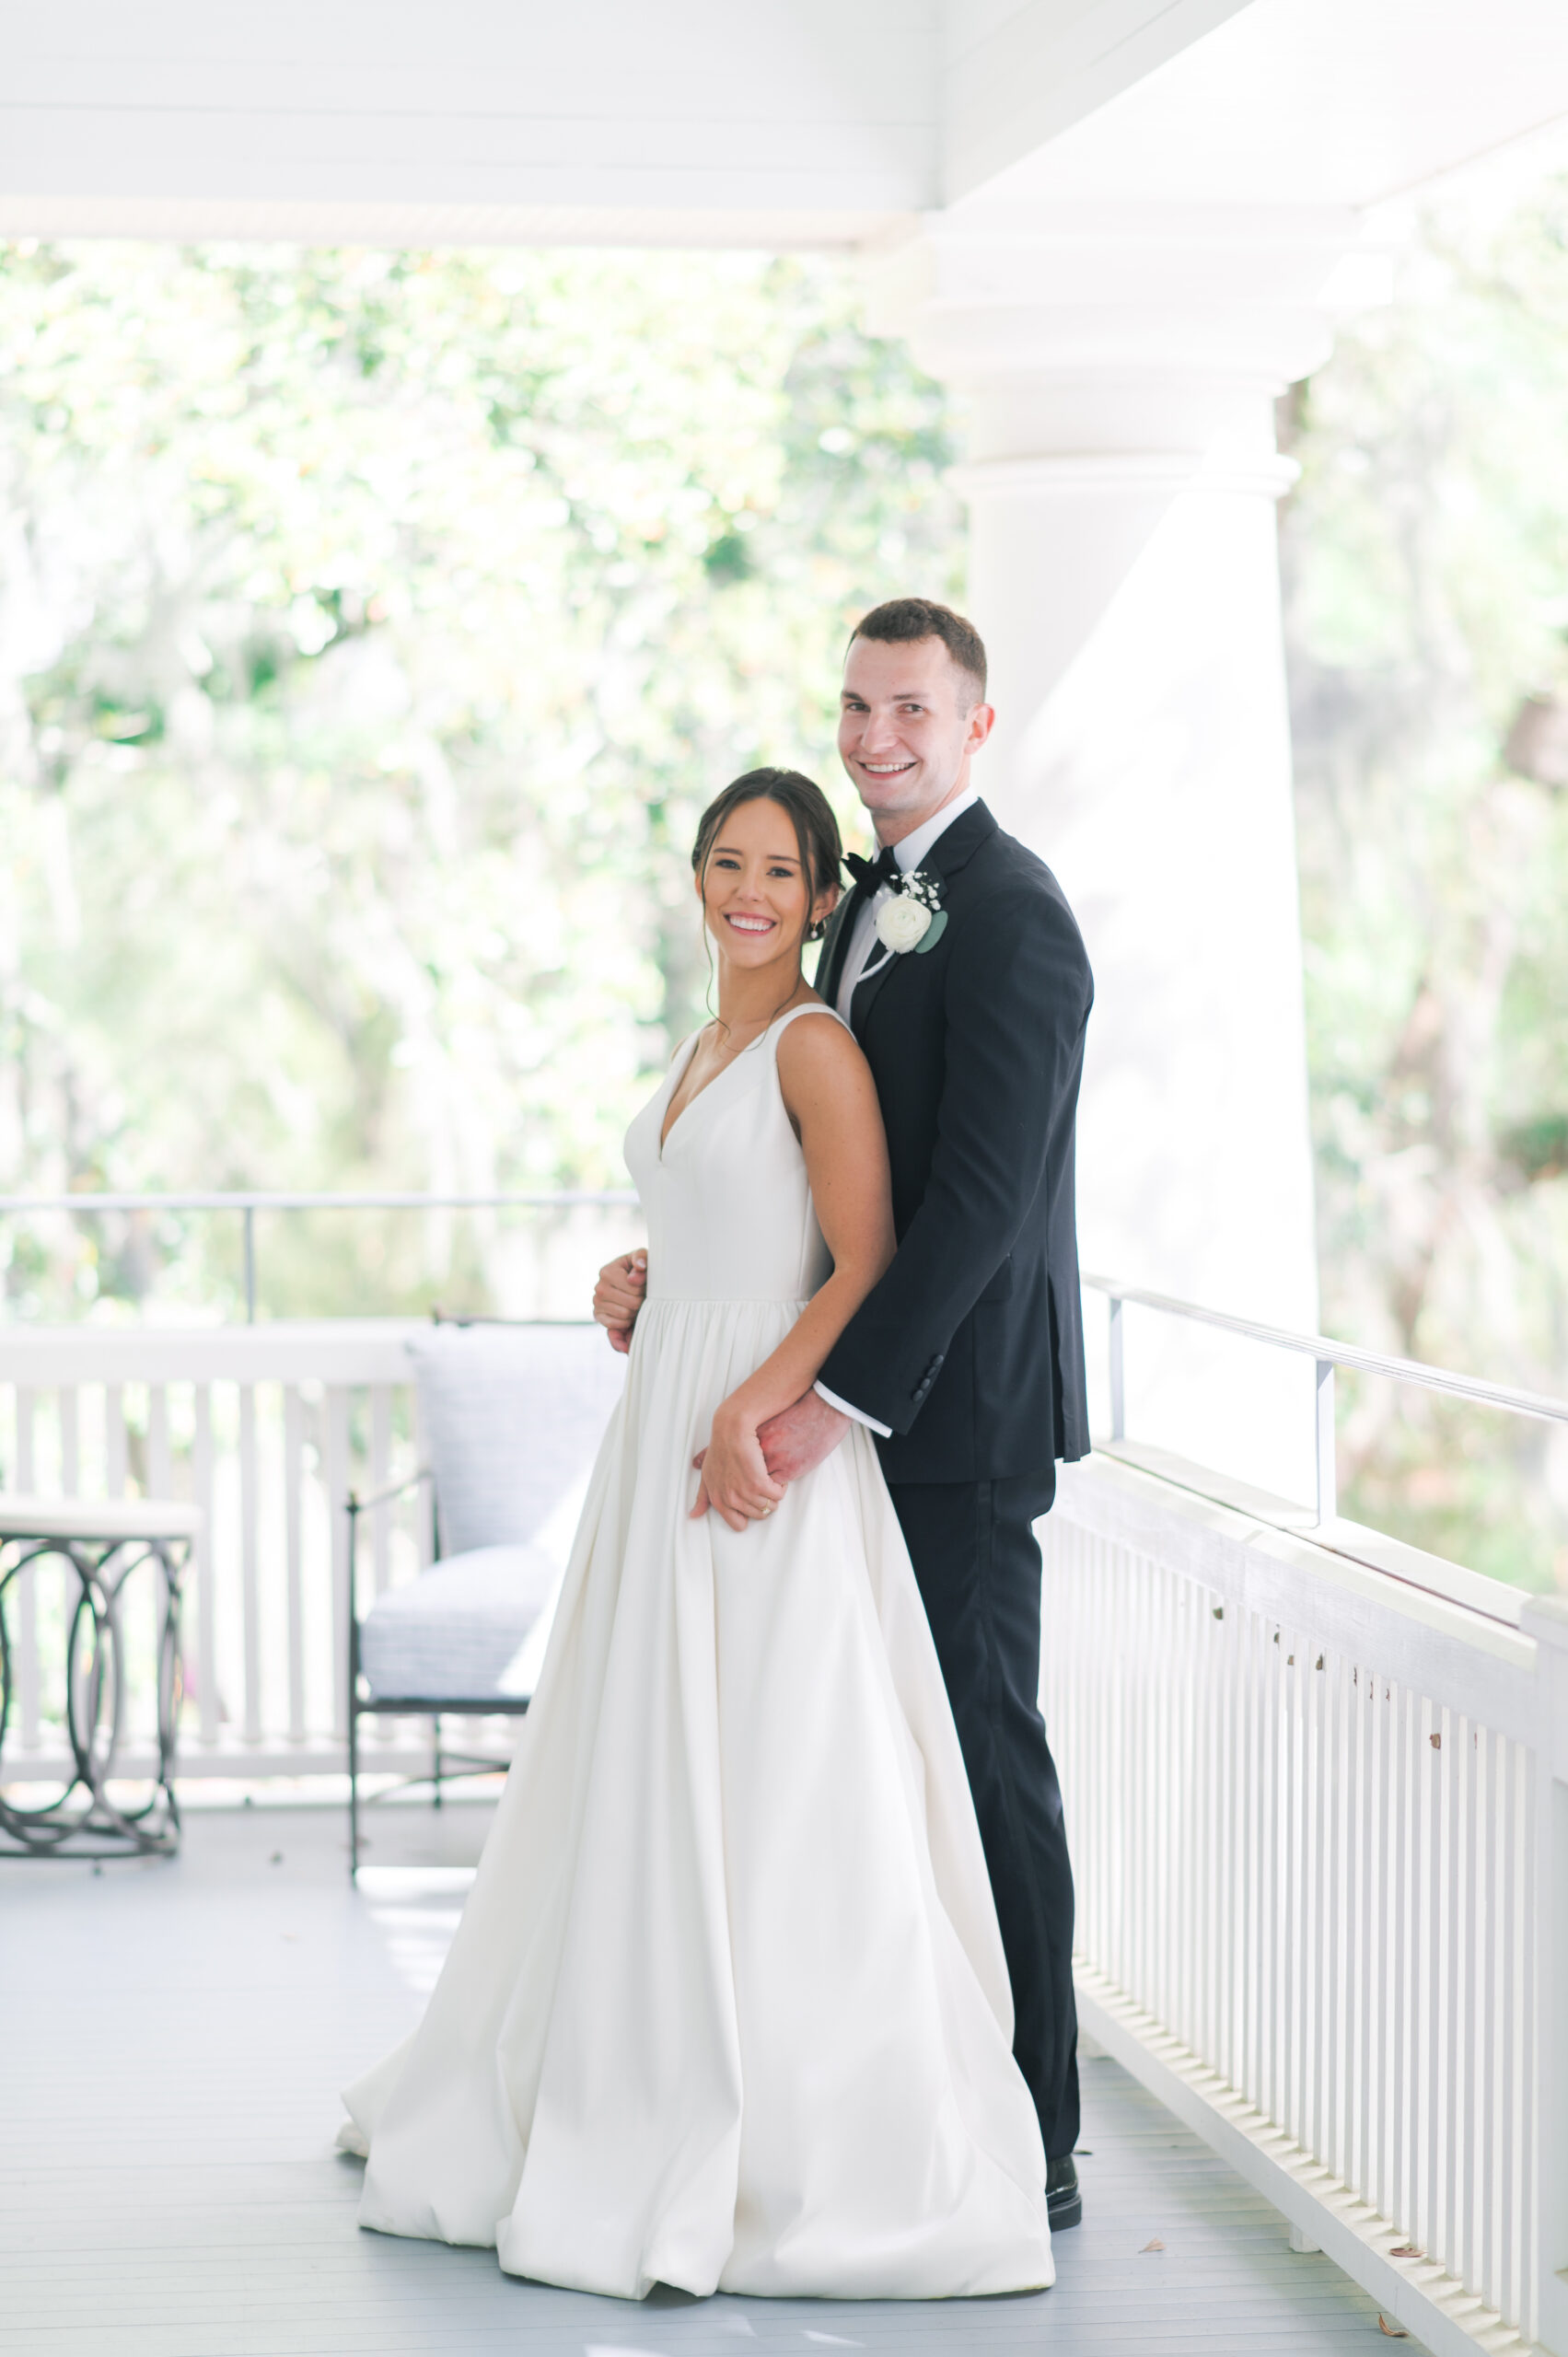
column 1154, row 335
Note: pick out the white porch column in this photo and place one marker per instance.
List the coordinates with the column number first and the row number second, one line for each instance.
column 1118, row 368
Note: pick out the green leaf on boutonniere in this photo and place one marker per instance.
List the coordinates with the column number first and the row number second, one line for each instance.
column 933, row 934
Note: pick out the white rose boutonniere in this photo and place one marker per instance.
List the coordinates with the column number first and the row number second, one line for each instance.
column 902, row 923
column 912, row 917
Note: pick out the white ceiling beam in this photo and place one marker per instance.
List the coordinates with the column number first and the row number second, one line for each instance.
column 1015, row 76
column 704, row 122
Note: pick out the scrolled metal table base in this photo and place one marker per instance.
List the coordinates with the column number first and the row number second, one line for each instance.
column 104, row 1544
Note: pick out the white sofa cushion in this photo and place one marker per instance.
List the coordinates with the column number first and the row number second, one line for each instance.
column 453, row 1634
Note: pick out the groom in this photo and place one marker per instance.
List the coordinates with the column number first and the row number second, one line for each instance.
column 967, row 1359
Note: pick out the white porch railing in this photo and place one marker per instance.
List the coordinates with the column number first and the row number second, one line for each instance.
column 1320, row 1838
column 265, row 1428
column 1317, row 1795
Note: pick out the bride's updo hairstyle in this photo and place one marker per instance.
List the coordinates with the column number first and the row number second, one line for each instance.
column 810, row 814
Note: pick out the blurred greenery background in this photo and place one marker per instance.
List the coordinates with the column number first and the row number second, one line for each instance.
column 1425, row 565
column 373, row 628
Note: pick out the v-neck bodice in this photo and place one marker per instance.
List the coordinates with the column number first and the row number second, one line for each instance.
column 729, row 1210
column 679, row 1065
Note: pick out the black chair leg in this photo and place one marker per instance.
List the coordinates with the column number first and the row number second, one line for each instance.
column 436, row 1726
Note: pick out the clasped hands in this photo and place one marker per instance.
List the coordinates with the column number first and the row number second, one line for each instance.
column 746, row 1469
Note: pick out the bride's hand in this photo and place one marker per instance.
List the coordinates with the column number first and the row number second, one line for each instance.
column 735, row 1481
column 619, row 1296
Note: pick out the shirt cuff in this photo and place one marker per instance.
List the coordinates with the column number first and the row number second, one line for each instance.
column 844, row 1408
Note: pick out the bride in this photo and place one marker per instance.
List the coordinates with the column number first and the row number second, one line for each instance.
column 727, row 2007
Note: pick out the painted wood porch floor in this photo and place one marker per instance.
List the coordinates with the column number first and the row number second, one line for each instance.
column 172, row 2037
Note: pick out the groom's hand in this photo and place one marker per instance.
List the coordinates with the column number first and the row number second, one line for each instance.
column 796, row 1441
column 619, row 1296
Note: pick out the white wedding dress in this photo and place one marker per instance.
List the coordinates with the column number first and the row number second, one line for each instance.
column 727, row 2007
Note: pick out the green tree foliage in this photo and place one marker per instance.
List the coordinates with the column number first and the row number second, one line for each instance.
column 1426, row 571
column 373, row 628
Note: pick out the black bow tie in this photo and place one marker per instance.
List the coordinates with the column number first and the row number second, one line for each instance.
column 871, row 873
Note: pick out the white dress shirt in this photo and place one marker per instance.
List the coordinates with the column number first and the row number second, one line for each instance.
column 863, row 939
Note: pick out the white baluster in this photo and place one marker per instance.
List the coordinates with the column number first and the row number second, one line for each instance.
column 386, row 1730
column 1546, row 1619
column 206, row 1580
column 249, row 1568
column 70, row 1441
column 293, row 1561
column 337, row 1493
column 116, row 1447
column 1518, row 2002
column 424, row 1498
column 381, row 1479
column 160, row 1471
column 26, row 1587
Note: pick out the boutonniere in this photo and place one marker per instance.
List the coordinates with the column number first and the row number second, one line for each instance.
column 913, row 916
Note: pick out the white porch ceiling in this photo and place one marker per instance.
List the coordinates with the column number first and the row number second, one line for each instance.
column 767, row 122
column 456, row 117
column 690, row 122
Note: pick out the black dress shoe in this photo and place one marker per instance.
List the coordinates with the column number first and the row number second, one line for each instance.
column 1063, row 2202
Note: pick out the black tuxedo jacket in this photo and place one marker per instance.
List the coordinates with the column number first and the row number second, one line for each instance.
column 971, row 1347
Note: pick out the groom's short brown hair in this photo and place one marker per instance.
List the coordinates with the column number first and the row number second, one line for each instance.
column 904, row 620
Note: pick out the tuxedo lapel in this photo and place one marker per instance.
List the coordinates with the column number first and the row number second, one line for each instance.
column 878, row 966
column 954, row 849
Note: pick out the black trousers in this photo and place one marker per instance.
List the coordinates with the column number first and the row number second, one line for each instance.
column 977, row 1565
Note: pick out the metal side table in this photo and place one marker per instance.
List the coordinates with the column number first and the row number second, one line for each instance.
column 103, row 1542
